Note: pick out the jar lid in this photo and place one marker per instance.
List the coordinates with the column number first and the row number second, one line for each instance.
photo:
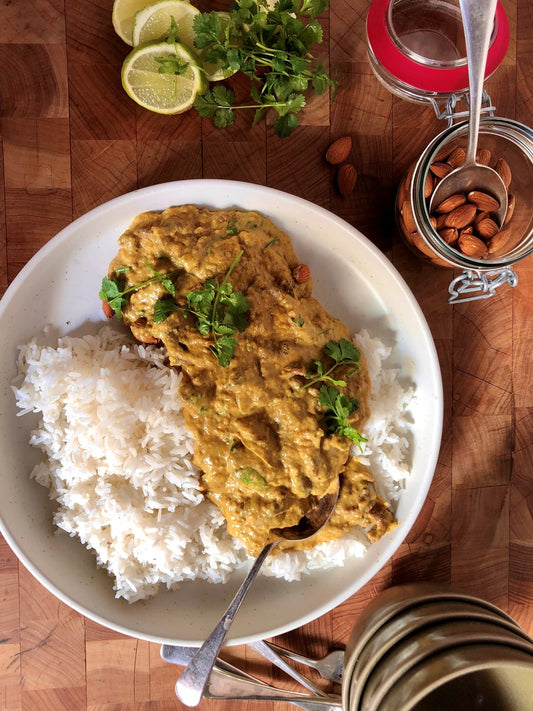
column 421, row 76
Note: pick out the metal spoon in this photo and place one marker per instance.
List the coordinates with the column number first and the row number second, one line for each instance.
column 478, row 21
column 191, row 684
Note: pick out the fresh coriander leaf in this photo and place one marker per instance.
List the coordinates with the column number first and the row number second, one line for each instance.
column 272, row 242
column 163, row 308
column 114, row 292
column 207, row 27
column 233, row 227
column 339, row 407
column 171, row 65
column 342, row 351
column 298, row 321
column 224, row 350
column 285, row 125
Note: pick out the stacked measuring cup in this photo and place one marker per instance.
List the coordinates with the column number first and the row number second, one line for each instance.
column 423, row 647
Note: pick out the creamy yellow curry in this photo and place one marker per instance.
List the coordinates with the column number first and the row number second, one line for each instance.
column 273, row 390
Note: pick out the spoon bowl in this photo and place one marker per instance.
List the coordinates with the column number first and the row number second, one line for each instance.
column 473, row 176
column 191, row 685
column 478, row 22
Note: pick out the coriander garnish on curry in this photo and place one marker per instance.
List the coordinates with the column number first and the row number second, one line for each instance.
column 274, row 391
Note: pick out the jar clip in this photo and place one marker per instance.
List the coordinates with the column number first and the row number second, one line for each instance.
column 448, row 111
column 473, row 284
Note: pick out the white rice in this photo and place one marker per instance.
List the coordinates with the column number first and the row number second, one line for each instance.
column 119, row 462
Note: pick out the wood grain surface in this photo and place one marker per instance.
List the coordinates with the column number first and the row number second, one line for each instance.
column 71, row 139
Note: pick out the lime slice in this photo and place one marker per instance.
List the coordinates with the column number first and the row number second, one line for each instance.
column 154, row 22
column 123, row 14
column 212, row 71
column 163, row 93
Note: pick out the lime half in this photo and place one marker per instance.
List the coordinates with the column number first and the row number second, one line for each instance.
column 164, row 93
column 154, row 22
column 122, row 16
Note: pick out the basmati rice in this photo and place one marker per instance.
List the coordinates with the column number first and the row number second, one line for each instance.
column 119, row 462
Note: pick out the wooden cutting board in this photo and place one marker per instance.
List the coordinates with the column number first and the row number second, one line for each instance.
column 71, row 140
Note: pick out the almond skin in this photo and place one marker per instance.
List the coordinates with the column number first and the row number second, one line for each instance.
column 449, row 235
column 407, row 215
column 487, row 228
column 440, row 169
column 499, row 241
column 462, row 216
column 339, row 150
column 346, row 179
column 483, row 157
column 456, row 157
column 503, row 170
column 301, row 273
column 483, row 201
column 451, row 203
column 472, row 246
column 511, row 202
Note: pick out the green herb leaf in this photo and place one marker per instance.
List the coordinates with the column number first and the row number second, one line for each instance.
column 163, row 308
column 338, row 408
column 251, row 479
column 114, row 290
column 220, row 313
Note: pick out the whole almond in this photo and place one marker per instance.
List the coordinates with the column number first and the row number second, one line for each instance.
column 483, row 201
column 402, row 194
column 472, row 246
column 498, row 242
column 339, row 150
column 456, row 157
column 487, row 228
column 440, row 169
column 480, row 216
column 444, row 152
column 450, row 235
column 483, row 157
column 451, row 203
column 407, row 215
column 301, row 273
column 511, row 202
column 503, row 170
column 346, row 179
column 429, row 185
column 461, row 217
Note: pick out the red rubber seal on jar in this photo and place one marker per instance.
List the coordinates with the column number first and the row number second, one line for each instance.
column 420, row 76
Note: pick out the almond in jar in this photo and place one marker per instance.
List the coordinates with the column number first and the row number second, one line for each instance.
column 461, row 232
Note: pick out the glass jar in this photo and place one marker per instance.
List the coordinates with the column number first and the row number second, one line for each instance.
column 487, row 262
column 417, row 50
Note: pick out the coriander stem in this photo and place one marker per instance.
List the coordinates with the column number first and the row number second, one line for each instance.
column 217, row 296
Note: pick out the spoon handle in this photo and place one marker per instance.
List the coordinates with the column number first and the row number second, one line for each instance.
column 191, row 684
column 478, row 21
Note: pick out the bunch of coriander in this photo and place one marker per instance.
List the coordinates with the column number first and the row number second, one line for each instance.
column 272, row 48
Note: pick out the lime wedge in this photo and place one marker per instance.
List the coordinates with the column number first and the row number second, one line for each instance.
column 123, row 14
column 164, row 93
column 154, row 22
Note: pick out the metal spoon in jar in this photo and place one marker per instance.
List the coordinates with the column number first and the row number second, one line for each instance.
column 193, row 681
column 478, row 21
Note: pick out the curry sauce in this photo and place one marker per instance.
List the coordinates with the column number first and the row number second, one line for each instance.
column 262, row 440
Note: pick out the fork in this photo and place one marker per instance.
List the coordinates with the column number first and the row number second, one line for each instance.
column 329, row 667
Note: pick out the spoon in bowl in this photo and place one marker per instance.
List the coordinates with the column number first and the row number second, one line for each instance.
column 191, row 685
column 478, row 21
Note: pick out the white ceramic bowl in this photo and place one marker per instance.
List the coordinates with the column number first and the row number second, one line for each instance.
column 60, row 287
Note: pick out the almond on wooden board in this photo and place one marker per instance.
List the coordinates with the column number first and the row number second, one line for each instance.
column 461, row 217
column 472, row 246
column 346, row 179
column 339, row 150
